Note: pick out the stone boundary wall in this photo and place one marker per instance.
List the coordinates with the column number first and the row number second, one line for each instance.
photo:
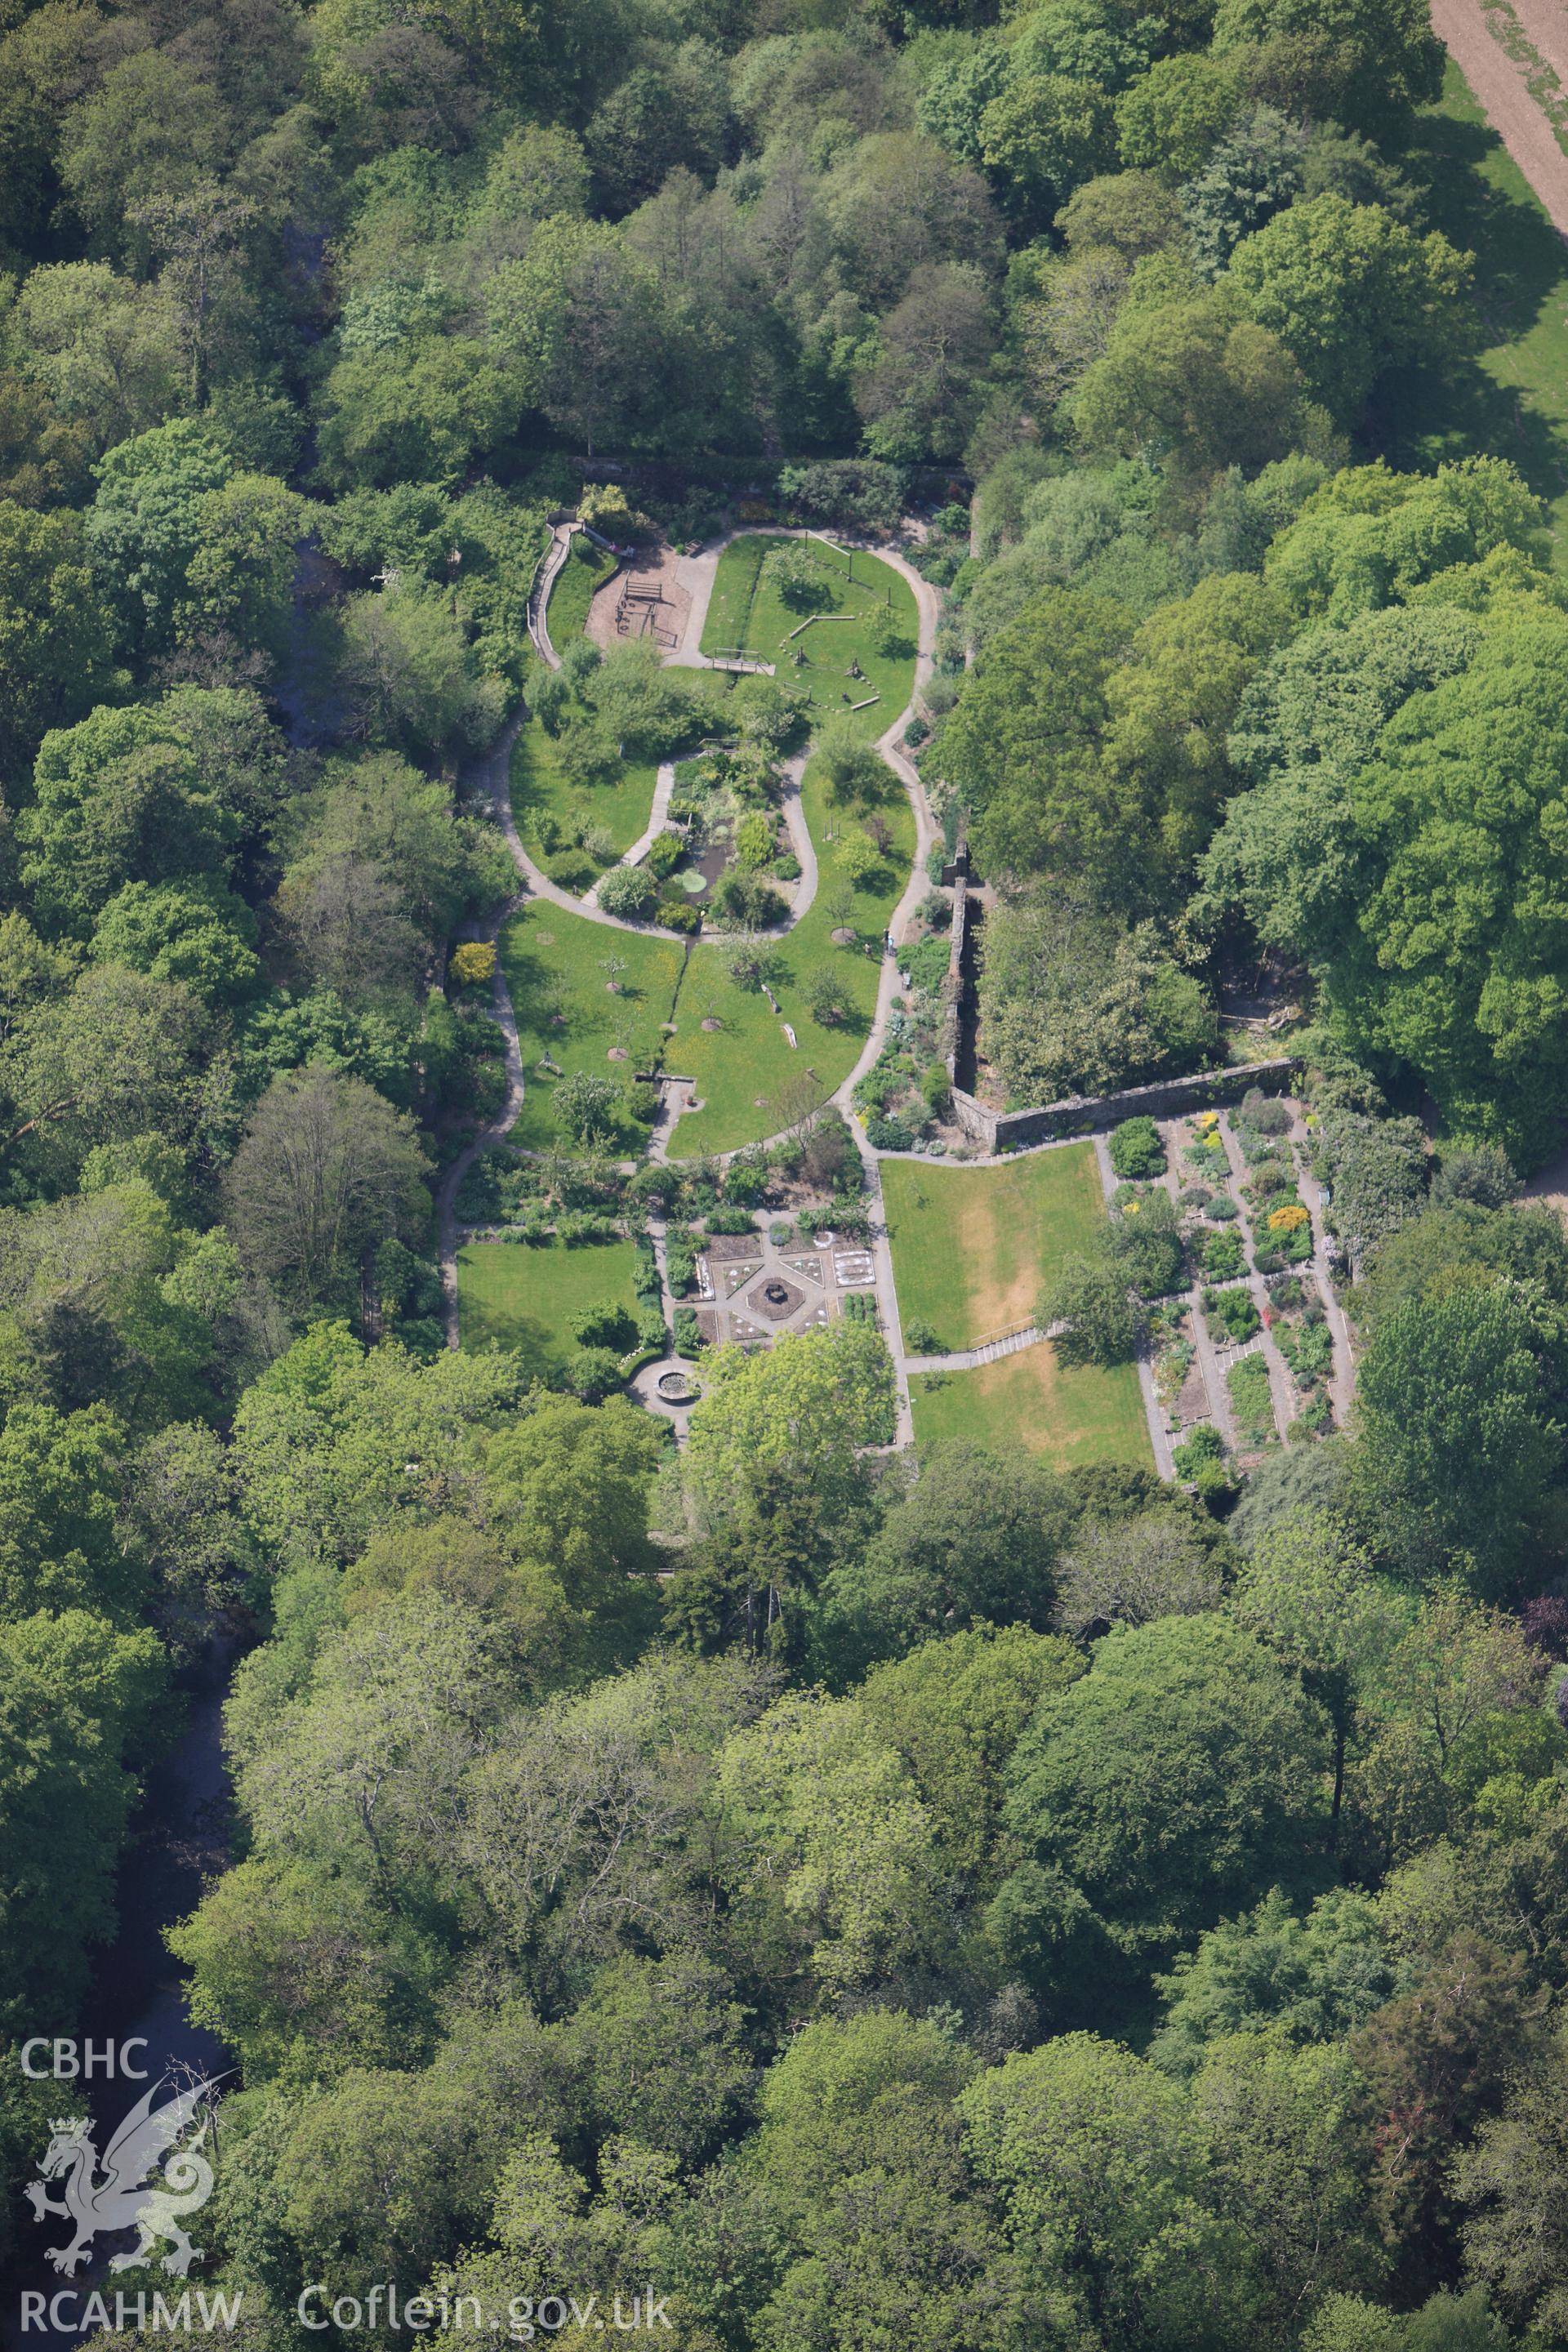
column 1083, row 1114
column 956, row 878
column 952, row 986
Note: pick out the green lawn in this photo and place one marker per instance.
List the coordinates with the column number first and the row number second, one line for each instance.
column 750, row 1057
column 742, row 1066
column 1512, row 402
column 552, row 961
column 566, row 614
column 1070, row 1416
column 521, row 1295
column 970, row 1246
column 553, row 965
column 734, row 583
column 764, row 623
column 539, row 786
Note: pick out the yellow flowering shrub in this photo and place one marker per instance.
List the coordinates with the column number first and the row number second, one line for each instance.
column 1288, row 1220
column 473, row 964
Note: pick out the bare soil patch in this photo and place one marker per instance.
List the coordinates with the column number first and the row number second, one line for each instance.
column 1501, row 91
column 642, row 598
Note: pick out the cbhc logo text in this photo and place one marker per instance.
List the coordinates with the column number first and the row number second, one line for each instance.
column 71, row 2060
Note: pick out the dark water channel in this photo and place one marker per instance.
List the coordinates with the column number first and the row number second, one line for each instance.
column 178, row 1841
column 967, row 1070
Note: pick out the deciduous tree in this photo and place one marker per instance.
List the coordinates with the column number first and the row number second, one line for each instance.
column 326, row 1169
column 76, row 1697
column 814, row 1398
column 1351, row 292
column 1190, row 1705
column 54, row 654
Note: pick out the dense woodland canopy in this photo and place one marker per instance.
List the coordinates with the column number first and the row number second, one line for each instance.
column 956, row 1905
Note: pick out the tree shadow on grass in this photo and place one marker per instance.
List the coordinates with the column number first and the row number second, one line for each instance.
column 851, row 1023
column 536, row 990
column 542, row 1355
column 1519, row 255
column 1419, row 416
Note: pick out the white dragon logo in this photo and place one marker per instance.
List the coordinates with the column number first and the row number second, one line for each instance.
column 116, row 2200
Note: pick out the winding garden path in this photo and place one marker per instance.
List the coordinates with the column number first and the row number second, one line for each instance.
column 663, row 792
column 539, row 600
column 491, row 780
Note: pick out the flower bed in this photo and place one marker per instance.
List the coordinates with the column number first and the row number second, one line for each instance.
column 1205, row 1153
column 1251, row 1401
column 1233, row 1316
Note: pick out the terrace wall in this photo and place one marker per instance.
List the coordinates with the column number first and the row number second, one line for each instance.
column 1084, row 1114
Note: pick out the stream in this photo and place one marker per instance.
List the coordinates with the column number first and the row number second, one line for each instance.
column 177, row 1843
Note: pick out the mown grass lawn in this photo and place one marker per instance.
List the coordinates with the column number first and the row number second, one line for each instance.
column 971, row 1245
column 1513, row 400
column 743, row 1069
column 862, row 586
column 1068, row 1415
column 745, row 1064
column 521, row 1295
column 552, row 963
column 540, row 787
column 725, row 630
column 566, row 613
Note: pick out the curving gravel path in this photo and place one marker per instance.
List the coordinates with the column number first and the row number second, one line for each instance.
column 663, row 793
column 538, row 603
column 803, row 891
column 490, row 777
